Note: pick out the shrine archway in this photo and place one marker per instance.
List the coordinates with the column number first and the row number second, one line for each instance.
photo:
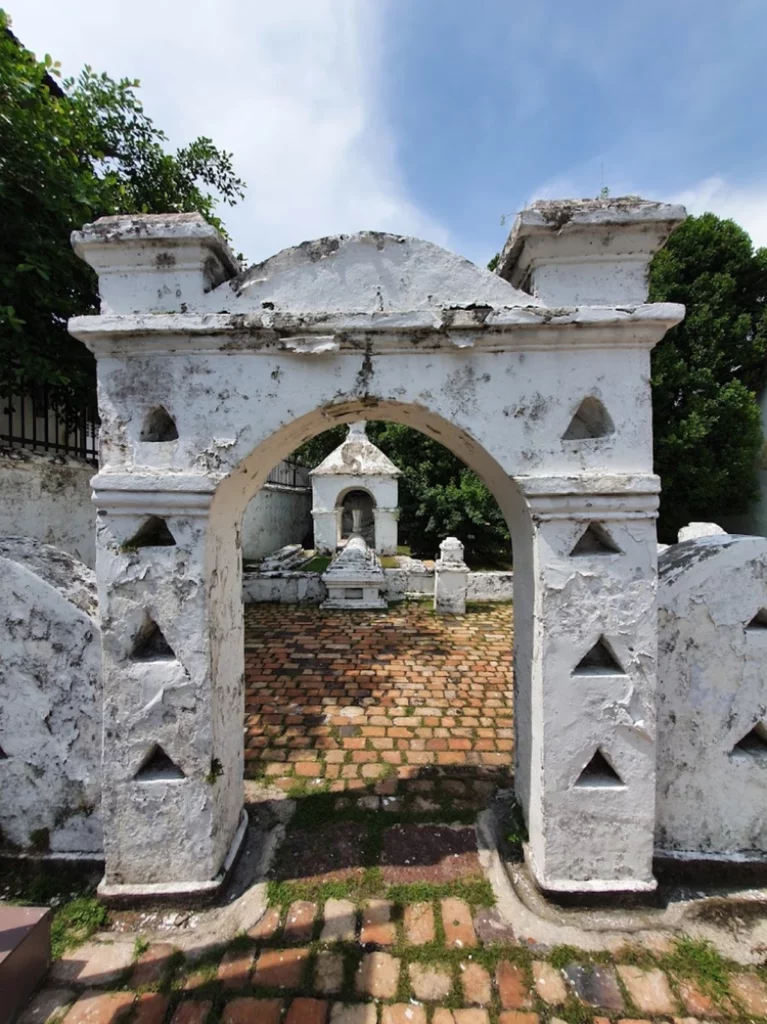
column 208, row 377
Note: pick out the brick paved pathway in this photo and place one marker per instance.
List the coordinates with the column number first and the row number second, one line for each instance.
column 339, row 700
column 438, row 960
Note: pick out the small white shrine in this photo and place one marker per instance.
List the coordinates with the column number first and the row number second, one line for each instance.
column 356, row 477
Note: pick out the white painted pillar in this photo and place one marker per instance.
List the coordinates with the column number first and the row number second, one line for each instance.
column 325, row 530
column 586, row 725
column 386, row 523
column 451, row 578
column 173, row 702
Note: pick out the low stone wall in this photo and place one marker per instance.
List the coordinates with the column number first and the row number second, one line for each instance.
column 48, row 497
column 50, row 701
column 401, row 584
column 283, row 588
column 275, row 517
column 712, row 701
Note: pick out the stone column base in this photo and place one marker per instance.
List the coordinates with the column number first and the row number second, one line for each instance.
column 198, row 892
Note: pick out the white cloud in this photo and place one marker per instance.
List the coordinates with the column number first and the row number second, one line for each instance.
column 745, row 204
column 291, row 89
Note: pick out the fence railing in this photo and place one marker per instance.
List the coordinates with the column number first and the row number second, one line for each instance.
column 35, row 420
column 290, row 474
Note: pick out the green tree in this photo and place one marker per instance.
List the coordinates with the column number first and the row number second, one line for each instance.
column 70, row 152
column 706, row 372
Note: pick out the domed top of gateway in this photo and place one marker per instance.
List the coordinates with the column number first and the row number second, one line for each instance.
column 372, row 272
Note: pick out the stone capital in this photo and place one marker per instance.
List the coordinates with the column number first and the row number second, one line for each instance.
column 587, row 251
column 154, row 263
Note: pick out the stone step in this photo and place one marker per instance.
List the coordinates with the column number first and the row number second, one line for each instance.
column 25, row 951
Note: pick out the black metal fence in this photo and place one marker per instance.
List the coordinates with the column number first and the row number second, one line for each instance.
column 33, row 419
column 290, row 474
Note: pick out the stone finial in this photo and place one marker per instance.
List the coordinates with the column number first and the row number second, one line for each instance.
column 357, row 430
column 154, row 263
column 587, row 252
column 451, row 552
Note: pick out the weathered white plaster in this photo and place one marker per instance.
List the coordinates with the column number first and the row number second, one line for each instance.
column 50, row 700
column 451, row 577
column 276, row 516
column 337, row 331
column 283, row 587
column 48, row 498
column 356, row 465
column 712, row 666
column 354, row 579
column 587, row 251
column 694, row 531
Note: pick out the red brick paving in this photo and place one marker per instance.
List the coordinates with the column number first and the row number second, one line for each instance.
column 341, row 698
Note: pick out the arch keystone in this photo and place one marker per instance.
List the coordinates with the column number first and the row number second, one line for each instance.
column 157, row 766
column 591, row 420
column 599, row 774
column 599, row 661
column 150, row 644
column 159, row 426
column 595, row 540
column 753, row 744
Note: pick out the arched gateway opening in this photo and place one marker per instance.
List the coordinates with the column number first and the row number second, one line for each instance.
column 249, row 366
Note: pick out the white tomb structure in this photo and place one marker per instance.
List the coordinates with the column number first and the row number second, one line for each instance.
column 357, row 475
column 208, row 376
column 451, row 577
column 355, row 579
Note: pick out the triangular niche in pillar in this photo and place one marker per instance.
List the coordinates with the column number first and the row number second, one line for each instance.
column 159, row 426
column 154, row 533
column 599, row 774
column 150, row 644
column 599, row 661
column 753, row 744
column 158, row 767
column 759, row 621
column 3, row 755
column 591, row 420
column 595, row 541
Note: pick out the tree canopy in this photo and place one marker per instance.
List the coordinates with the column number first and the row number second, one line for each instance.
column 72, row 151
column 706, row 372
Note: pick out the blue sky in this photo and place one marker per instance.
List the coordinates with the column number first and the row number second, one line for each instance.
column 437, row 117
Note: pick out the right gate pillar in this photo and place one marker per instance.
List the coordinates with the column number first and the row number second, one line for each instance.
column 586, row 650
column 585, row 559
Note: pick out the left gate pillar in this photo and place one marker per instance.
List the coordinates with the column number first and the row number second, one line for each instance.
column 168, row 582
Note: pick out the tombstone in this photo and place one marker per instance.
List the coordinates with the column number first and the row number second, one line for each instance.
column 451, row 578
column 355, row 579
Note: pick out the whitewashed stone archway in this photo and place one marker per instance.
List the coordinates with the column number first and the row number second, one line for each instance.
column 208, row 377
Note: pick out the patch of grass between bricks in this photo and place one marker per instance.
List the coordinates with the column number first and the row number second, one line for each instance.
column 698, row 960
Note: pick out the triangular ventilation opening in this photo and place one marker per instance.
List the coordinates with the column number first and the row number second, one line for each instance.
column 595, row 541
column 3, row 755
column 599, row 661
column 754, row 743
column 158, row 766
column 599, row 773
column 153, row 534
column 759, row 621
column 159, row 425
column 590, row 420
column 151, row 645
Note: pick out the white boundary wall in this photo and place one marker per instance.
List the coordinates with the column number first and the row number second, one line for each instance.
column 48, row 498
column 275, row 517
